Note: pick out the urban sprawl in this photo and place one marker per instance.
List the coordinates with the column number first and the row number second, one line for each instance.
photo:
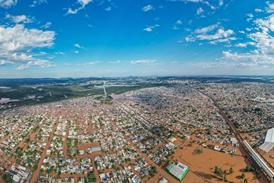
column 186, row 131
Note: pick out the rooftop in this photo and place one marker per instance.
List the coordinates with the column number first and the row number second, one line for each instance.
column 178, row 170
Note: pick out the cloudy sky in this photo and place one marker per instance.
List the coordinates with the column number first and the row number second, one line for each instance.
column 79, row 38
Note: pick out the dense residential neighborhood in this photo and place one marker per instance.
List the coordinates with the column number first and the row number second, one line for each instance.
column 141, row 135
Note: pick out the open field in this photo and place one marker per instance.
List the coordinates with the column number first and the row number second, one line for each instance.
column 202, row 165
column 36, row 92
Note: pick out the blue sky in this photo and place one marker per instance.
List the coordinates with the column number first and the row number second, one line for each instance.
column 80, row 38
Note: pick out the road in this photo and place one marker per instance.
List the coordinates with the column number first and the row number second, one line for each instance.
column 158, row 168
column 105, row 91
column 262, row 178
column 35, row 175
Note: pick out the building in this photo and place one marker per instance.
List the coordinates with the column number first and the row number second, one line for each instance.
column 269, row 141
column 234, row 141
column 163, row 180
column 259, row 161
column 179, row 170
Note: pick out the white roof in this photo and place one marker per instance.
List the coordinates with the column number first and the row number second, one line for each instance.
column 163, row 180
column 269, row 141
column 270, row 135
column 16, row 178
column 267, row 146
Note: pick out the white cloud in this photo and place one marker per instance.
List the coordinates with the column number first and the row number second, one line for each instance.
column 108, row 8
column 249, row 57
column 81, row 5
column 198, row 1
column 188, row 38
column 39, row 63
column 177, row 24
column 270, row 7
column 200, row 11
column 148, row 29
column 258, row 10
column 115, row 62
column 195, row 1
column 143, row 62
column 4, row 62
column 77, row 45
column 23, row 67
column 148, row 8
column 89, row 63
column 46, row 25
column 17, row 44
column 248, row 29
column 221, row 2
column 213, row 5
column 250, row 16
column 219, row 34
column 72, row 12
column 59, row 53
column 84, row 2
column 206, row 29
column 7, row 3
column 190, row 1
column 19, row 38
column 93, row 62
column 151, row 28
column 263, row 42
column 266, row 24
column 38, row 2
column 19, row 19
column 212, row 34
column 243, row 45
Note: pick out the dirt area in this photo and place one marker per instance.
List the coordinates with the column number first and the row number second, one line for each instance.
column 153, row 179
column 32, row 136
column 202, row 165
column 269, row 157
column 6, row 161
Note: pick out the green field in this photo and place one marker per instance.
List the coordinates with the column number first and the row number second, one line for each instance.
column 43, row 93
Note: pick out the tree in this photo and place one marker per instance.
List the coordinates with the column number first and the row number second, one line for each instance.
column 218, row 171
column 248, row 168
column 198, row 150
column 231, row 170
column 7, row 178
column 242, row 176
column 225, row 173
